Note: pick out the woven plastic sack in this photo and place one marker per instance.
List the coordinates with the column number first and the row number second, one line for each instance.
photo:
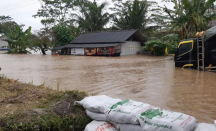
column 125, row 112
column 100, row 126
column 96, row 116
column 205, row 127
column 97, row 104
column 163, row 120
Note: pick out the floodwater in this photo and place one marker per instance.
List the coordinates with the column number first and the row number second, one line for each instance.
column 148, row 79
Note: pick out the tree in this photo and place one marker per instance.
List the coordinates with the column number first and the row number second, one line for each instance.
column 54, row 12
column 3, row 20
column 56, row 19
column 42, row 41
column 18, row 41
column 189, row 16
column 199, row 11
column 133, row 15
column 4, row 27
column 63, row 35
column 92, row 17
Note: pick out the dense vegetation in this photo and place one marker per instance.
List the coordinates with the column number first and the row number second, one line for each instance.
column 64, row 20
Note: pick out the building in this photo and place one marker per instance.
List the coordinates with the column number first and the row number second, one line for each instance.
column 3, row 44
column 112, row 43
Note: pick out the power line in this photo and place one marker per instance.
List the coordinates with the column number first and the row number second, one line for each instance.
column 23, row 13
column 14, row 4
column 17, row 7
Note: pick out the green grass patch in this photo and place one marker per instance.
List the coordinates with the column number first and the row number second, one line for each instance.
column 25, row 107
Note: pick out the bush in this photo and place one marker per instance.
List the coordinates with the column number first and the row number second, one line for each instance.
column 172, row 42
column 156, row 46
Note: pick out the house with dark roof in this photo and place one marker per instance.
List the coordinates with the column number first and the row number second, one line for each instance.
column 126, row 42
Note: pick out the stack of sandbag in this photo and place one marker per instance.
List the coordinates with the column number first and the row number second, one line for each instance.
column 96, row 106
column 121, row 127
column 129, row 115
column 149, row 117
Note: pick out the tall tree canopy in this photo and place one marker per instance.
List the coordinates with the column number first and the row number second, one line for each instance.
column 92, row 17
column 3, row 20
column 54, row 12
column 133, row 15
column 63, row 35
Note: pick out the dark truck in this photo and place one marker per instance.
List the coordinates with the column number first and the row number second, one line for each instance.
column 197, row 53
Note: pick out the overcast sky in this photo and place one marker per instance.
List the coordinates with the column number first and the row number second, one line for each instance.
column 22, row 10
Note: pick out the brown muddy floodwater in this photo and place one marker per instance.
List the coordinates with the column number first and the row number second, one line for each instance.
column 148, row 79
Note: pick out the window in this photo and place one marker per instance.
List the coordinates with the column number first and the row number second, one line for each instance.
column 185, row 48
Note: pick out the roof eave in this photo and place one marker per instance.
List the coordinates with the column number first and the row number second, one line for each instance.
column 97, row 42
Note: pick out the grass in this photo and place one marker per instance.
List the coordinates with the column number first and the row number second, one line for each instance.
column 58, row 85
column 27, row 107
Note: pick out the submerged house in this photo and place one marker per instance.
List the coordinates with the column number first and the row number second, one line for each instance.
column 3, row 44
column 113, row 43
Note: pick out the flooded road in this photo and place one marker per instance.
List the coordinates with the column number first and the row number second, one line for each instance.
column 148, row 79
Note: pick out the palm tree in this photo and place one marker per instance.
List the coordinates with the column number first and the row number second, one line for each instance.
column 133, row 15
column 92, row 17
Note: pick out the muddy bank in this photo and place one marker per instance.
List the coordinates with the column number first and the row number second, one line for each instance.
column 27, row 107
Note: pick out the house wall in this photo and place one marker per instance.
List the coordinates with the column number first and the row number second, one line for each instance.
column 130, row 48
column 77, row 51
column 3, row 44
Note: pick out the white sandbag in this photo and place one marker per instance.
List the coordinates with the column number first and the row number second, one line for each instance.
column 128, row 127
column 96, row 116
column 163, row 120
column 97, row 104
column 100, row 126
column 125, row 112
column 205, row 127
column 215, row 122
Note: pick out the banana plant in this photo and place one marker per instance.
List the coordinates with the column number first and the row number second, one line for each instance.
column 189, row 16
column 198, row 10
column 18, row 40
column 24, row 40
